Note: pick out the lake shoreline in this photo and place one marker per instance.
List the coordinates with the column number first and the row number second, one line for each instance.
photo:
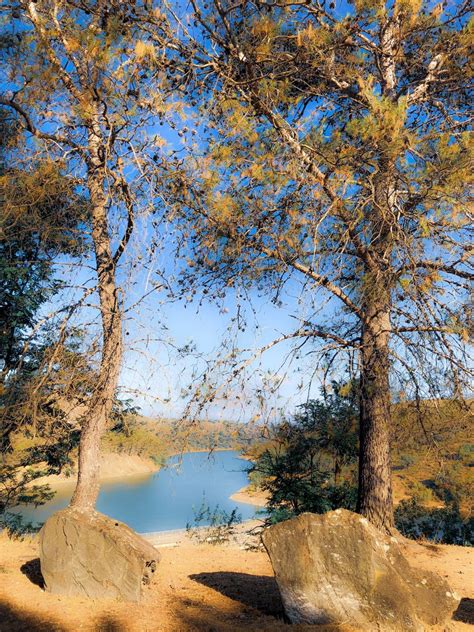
column 197, row 482
column 176, row 537
column 117, row 467
column 257, row 498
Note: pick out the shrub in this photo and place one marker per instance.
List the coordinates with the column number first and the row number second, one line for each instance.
column 406, row 460
column 466, row 450
column 310, row 463
column 420, row 492
column 214, row 526
column 444, row 526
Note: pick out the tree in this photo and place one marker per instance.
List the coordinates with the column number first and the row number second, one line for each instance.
column 40, row 409
column 79, row 83
column 41, row 218
column 338, row 156
column 301, row 467
column 334, row 423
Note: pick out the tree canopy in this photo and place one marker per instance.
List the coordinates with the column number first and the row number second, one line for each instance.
column 338, row 157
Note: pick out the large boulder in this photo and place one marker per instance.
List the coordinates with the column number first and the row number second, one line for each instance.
column 337, row 568
column 88, row 554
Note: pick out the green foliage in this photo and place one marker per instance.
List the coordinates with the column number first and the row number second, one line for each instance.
column 406, row 460
column 466, row 450
column 420, row 492
column 40, row 408
column 41, row 215
column 137, row 440
column 41, row 374
column 123, row 413
column 455, row 484
column 16, row 488
column 309, row 454
column 443, row 525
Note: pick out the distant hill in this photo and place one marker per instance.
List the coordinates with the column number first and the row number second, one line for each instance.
column 158, row 438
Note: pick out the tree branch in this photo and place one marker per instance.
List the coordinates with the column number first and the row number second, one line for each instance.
column 31, row 127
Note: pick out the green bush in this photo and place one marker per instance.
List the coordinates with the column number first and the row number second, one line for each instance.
column 406, row 460
column 442, row 525
column 466, row 450
column 214, row 526
column 420, row 492
column 137, row 440
column 310, row 465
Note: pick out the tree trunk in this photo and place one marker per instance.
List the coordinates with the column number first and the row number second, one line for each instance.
column 93, row 428
column 87, row 489
column 375, row 473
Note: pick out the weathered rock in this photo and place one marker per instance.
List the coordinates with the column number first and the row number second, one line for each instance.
column 337, row 568
column 88, row 554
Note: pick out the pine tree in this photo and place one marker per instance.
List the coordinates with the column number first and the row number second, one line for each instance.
column 339, row 156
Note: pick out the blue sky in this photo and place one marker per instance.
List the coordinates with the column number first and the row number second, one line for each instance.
column 155, row 375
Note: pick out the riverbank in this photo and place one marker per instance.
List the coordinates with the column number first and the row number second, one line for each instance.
column 250, row 496
column 245, row 535
column 114, row 466
column 198, row 588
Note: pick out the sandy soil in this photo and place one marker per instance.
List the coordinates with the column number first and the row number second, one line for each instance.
column 113, row 467
column 199, row 588
column 251, row 497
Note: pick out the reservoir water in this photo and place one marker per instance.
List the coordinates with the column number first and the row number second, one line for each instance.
column 168, row 499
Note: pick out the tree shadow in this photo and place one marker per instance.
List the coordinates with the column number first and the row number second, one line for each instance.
column 32, row 570
column 254, row 591
column 12, row 619
column 465, row 611
column 15, row 620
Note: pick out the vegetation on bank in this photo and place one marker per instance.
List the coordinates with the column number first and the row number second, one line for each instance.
column 310, row 464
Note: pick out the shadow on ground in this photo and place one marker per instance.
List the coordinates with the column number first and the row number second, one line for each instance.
column 14, row 620
column 253, row 591
column 32, row 570
column 465, row 611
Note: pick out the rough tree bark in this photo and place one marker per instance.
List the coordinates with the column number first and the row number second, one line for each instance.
column 375, row 473
column 375, row 476
column 87, row 489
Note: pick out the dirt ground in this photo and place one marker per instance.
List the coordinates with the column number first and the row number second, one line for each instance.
column 200, row 587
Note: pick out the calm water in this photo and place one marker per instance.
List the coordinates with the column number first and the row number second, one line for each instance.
column 169, row 498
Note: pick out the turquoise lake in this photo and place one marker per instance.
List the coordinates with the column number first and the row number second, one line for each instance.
column 167, row 499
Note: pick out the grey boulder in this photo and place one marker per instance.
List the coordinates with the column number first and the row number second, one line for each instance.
column 88, row 554
column 337, row 568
